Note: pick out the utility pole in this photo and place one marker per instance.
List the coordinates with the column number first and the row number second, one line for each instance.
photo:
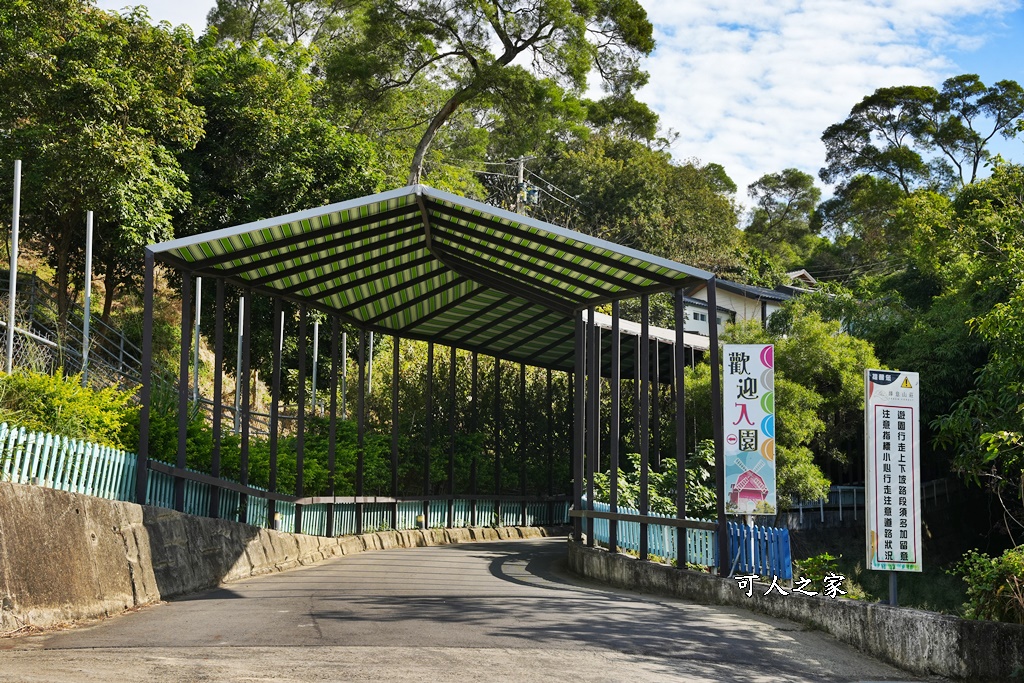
column 521, row 193
column 520, row 187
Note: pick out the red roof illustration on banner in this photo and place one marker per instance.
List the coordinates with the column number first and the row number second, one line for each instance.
column 748, row 486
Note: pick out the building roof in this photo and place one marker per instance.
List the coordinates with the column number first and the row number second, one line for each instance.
column 747, row 291
column 426, row 264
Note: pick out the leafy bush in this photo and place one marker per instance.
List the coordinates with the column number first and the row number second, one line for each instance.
column 995, row 585
column 61, row 405
column 661, row 486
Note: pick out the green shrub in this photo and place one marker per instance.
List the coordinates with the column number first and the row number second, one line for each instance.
column 61, row 405
column 995, row 585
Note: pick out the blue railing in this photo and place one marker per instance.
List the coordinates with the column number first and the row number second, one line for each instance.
column 82, row 467
column 768, row 555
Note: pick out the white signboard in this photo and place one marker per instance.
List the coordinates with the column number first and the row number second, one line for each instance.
column 749, row 409
column 892, row 438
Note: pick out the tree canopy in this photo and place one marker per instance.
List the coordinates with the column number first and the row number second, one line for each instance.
column 98, row 109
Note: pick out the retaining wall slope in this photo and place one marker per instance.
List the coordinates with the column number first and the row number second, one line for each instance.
column 67, row 556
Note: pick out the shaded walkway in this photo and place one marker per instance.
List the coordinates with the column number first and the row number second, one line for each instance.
column 494, row 611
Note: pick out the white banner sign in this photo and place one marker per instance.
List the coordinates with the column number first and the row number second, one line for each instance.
column 892, row 438
column 749, row 409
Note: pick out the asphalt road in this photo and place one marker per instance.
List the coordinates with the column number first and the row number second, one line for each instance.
column 502, row 611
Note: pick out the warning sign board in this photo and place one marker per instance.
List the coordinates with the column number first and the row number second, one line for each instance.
column 892, row 438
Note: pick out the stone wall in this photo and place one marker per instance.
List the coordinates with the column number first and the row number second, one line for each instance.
column 66, row 556
column 915, row 640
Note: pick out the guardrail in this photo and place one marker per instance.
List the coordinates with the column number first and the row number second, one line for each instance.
column 850, row 499
column 762, row 550
column 661, row 539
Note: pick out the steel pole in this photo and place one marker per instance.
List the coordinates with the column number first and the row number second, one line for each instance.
column 12, row 292
column 679, row 367
column 316, row 357
column 615, row 425
column 645, row 425
column 88, row 298
column 186, row 329
column 718, row 429
column 199, row 297
column 238, row 364
column 142, row 456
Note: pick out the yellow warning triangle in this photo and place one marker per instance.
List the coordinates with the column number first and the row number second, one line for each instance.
column 906, row 383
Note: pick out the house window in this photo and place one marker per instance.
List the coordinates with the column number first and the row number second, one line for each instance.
column 719, row 320
column 700, row 316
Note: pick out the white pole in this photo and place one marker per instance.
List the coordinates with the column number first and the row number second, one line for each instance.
column 238, row 366
column 316, row 355
column 86, row 314
column 12, row 292
column 199, row 298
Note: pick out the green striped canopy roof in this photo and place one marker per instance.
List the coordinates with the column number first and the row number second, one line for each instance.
column 429, row 265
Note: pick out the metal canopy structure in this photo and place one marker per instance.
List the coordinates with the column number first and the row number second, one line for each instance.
column 418, row 263
column 430, row 265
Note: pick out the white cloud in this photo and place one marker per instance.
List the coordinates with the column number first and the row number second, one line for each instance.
column 752, row 85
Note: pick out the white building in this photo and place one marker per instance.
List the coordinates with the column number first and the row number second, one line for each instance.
column 697, row 316
column 743, row 302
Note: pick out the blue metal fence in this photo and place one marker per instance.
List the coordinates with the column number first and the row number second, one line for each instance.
column 82, row 467
column 761, row 550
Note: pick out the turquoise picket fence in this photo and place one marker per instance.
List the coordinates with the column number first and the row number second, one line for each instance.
column 661, row 539
column 65, row 464
column 377, row 516
column 78, row 466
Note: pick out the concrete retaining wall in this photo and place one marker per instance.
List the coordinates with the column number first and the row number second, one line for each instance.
column 66, row 556
column 914, row 640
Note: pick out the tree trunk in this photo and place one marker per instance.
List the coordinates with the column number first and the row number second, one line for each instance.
column 109, row 284
column 449, row 108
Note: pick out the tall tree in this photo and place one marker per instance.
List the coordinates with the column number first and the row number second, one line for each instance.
column 471, row 47
column 97, row 108
column 878, row 138
column 306, row 21
column 622, row 190
column 781, row 221
column 889, row 132
column 965, row 116
column 268, row 149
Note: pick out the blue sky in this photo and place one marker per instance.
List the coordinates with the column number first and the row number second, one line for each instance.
column 752, row 85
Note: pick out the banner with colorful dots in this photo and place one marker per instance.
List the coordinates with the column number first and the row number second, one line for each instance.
column 749, row 409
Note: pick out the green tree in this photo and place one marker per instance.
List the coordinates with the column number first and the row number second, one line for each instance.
column 888, row 133
column 470, row 47
column 268, row 150
column 307, row 21
column 97, row 109
column 878, row 138
column 985, row 429
column 964, row 117
column 781, row 221
column 626, row 192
